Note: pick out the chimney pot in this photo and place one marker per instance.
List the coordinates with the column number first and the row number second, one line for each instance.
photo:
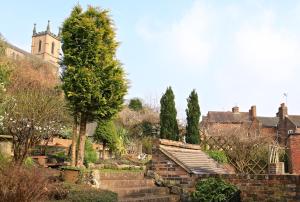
column 282, row 111
column 235, row 109
column 252, row 112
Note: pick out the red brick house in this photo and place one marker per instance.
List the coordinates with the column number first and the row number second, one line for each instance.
column 258, row 124
column 284, row 128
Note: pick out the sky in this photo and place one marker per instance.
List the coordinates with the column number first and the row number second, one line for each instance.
column 234, row 53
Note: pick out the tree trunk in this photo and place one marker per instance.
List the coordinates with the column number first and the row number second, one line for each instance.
column 103, row 150
column 74, row 141
column 82, row 133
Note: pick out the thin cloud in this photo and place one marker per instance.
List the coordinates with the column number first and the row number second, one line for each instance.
column 269, row 52
column 185, row 42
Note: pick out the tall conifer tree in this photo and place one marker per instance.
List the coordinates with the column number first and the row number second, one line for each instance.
column 168, row 113
column 193, row 116
column 93, row 79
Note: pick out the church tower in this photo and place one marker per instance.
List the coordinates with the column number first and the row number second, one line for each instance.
column 46, row 45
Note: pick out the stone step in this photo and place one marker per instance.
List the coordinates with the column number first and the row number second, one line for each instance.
column 108, row 184
column 140, row 191
column 166, row 198
column 121, row 175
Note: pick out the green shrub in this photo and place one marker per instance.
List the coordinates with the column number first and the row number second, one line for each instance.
column 60, row 156
column 90, row 155
column 66, row 133
column 70, row 168
column 76, row 193
column 80, row 193
column 213, row 190
column 135, row 104
column 217, row 155
column 147, row 145
column 29, row 162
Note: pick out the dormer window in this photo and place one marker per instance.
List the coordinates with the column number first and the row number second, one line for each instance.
column 52, row 48
column 40, row 45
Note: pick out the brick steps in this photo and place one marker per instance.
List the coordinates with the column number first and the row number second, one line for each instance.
column 141, row 191
column 167, row 198
column 121, row 175
column 126, row 183
column 134, row 187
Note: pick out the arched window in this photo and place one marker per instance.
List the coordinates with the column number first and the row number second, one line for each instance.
column 52, row 48
column 40, row 45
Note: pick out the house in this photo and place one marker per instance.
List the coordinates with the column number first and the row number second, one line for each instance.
column 222, row 120
column 280, row 127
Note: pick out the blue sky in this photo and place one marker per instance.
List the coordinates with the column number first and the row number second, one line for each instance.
column 232, row 52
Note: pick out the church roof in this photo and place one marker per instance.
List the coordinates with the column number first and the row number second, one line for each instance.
column 18, row 49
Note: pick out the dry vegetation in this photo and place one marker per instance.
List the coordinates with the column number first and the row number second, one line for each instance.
column 245, row 147
column 22, row 184
column 34, row 108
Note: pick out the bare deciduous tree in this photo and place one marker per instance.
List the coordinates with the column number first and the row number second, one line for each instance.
column 35, row 109
column 133, row 120
column 245, row 146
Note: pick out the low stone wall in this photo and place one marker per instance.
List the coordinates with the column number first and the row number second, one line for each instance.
column 263, row 187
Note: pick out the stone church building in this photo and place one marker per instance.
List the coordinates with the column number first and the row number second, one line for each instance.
column 45, row 46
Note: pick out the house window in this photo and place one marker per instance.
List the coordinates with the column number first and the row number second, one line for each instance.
column 52, row 48
column 40, row 45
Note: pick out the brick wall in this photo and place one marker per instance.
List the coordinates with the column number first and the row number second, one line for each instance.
column 263, row 188
column 169, row 170
column 294, row 153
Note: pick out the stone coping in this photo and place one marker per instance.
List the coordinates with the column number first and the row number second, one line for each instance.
column 176, row 144
column 6, row 137
column 252, row 176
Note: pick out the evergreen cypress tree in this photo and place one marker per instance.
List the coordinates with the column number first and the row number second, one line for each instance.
column 93, row 78
column 193, row 115
column 168, row 113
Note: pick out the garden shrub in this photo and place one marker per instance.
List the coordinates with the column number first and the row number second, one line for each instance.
column 90, row 154
column 60, row 156
column 78, row 193
column 22, row 184
column 57, row 191
column 29, row 162
column 217, row 155
column 213, row 190
column 147, row 145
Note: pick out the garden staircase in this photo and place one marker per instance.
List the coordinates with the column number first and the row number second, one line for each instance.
column 132, row 186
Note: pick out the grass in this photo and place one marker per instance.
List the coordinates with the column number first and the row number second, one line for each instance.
column 78, row 193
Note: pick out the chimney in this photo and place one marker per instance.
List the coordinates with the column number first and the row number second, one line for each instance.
column 252, row 112
column 235, row 109
column 282, row 111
